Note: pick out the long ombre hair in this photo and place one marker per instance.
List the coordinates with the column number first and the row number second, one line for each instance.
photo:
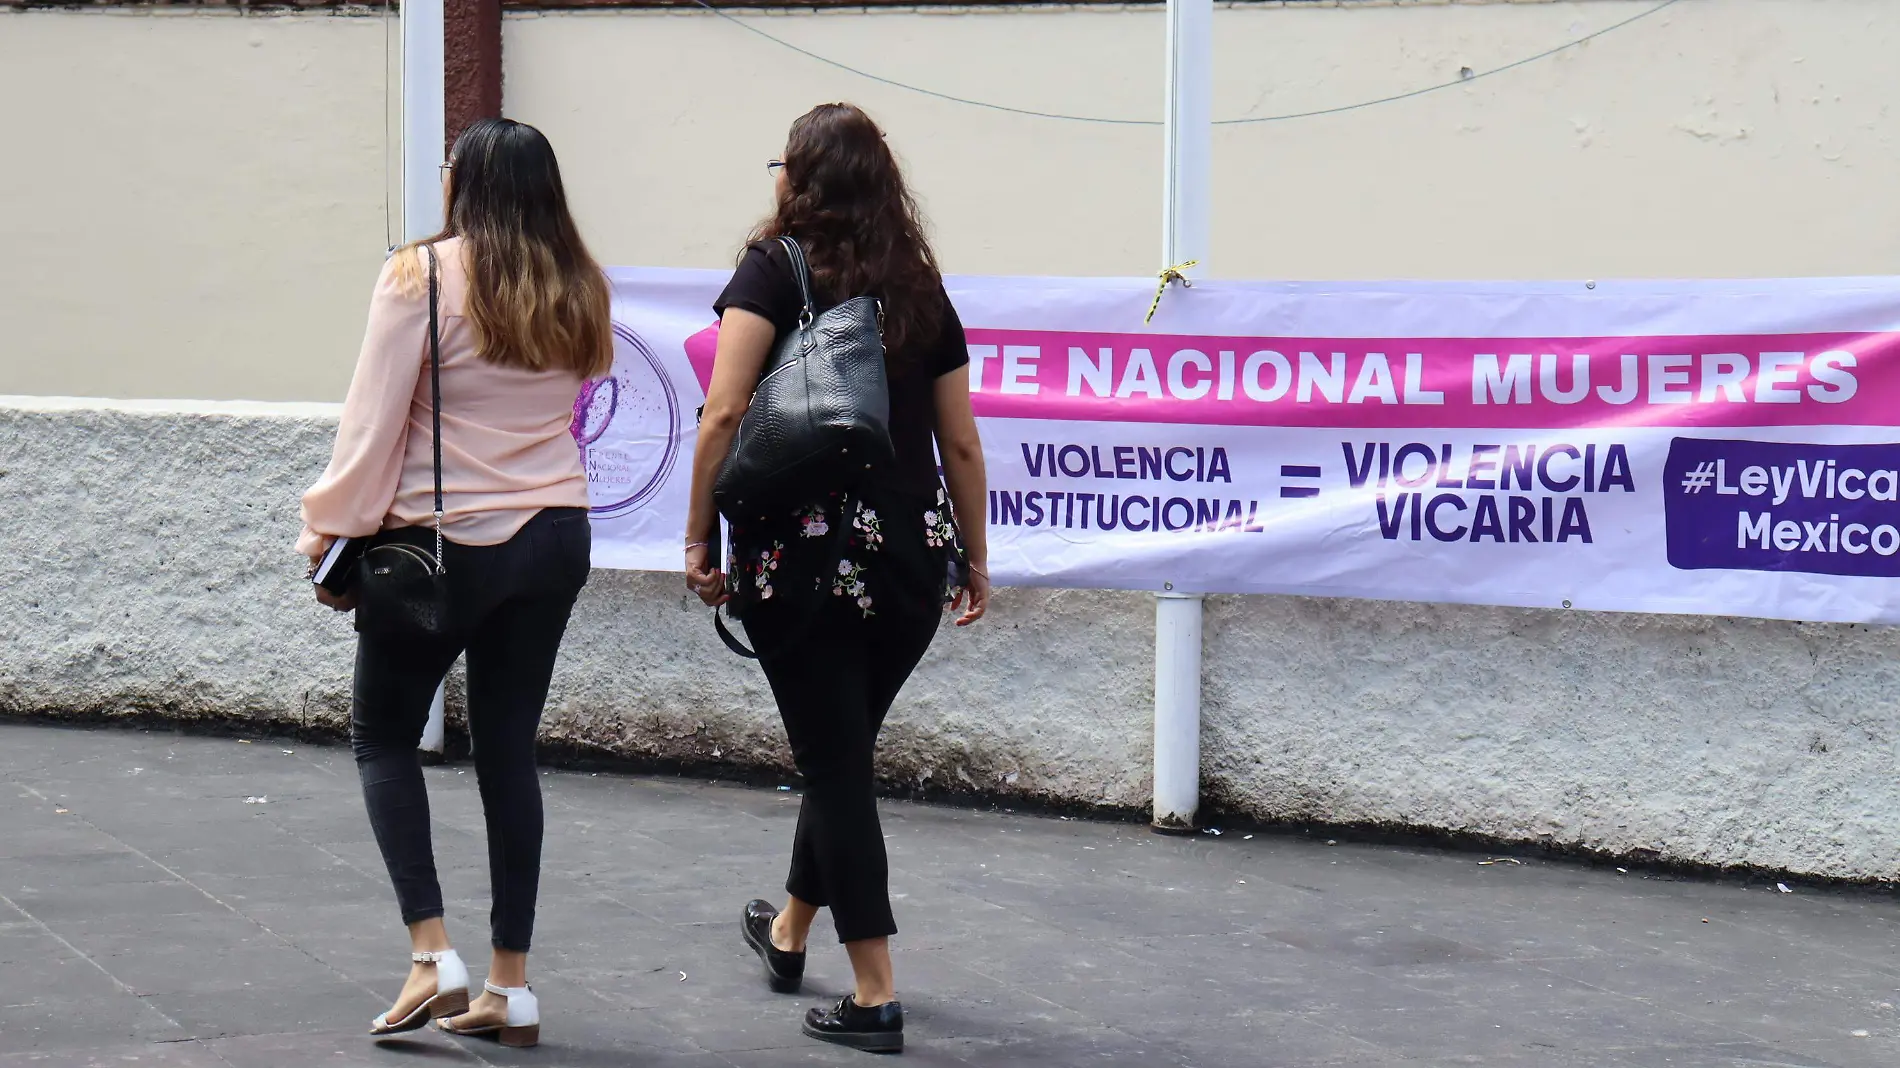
column 845, row 201
column 536, row 298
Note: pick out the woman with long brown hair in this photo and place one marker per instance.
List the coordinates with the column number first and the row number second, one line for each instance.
column 519, row 311
column 842, row 594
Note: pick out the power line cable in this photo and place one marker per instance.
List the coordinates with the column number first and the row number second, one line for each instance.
column 1462, row 80
column 1104, row 121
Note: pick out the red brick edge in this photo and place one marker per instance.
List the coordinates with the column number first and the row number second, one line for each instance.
column 471, row 60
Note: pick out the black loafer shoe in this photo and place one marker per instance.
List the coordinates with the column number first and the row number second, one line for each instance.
column 873, row 1030
column 784, row 972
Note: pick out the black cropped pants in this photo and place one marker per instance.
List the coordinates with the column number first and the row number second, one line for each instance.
column 834, row 684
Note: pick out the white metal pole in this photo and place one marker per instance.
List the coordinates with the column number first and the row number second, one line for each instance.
column 423, row 125
column 1177, row 711
column 432, row 732
column 423, row 119
column 1189, row 133
column 1185, row 214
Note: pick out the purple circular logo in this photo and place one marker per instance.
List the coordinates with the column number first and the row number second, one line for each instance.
column 628, row 428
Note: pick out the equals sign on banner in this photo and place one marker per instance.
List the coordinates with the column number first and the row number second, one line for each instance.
column 1299, row 471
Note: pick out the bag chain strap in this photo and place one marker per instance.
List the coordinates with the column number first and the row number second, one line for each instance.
column 435, row 408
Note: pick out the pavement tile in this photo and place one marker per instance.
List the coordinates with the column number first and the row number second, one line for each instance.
column 339, row 1049
column 84, row 1024
column 1091, row 1047
column 26, row 875
column 737, row 1026
column 29, row 944
column 263, row 1009
column 208, row 933
column 54, row 902
column 1850, row 1052
column 1721, row 1055
column 181, row 1054
column 195, row 970
column 161, row 921
column 63, row 980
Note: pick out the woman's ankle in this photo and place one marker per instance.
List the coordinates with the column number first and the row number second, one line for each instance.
column 508, row 969
column 871, row 972
column 429, row 936
column 783, row 937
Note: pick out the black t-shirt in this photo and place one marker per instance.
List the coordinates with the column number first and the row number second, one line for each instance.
column 765, row 285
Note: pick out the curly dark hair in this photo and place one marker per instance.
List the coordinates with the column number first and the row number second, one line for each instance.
column 846, row 203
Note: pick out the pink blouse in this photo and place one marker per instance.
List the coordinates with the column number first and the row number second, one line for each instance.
column 506, row 449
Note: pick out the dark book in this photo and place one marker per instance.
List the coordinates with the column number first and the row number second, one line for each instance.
column 337, row 570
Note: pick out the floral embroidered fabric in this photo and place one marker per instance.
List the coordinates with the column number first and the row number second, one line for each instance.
column 876, row 553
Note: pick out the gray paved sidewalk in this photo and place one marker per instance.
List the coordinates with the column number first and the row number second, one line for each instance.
column 149, row 915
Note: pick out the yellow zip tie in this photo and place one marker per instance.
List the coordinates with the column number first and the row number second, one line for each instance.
column 1171, row 274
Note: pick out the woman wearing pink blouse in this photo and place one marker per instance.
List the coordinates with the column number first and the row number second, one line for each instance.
column 523, row 315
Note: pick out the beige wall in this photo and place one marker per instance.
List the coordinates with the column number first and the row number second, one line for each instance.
column 665, row 121
column 191, row 205
column 1745, row 137
column 203, row 212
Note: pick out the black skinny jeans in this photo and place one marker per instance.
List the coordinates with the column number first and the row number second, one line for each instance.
column 834, row 684
column 511, row 602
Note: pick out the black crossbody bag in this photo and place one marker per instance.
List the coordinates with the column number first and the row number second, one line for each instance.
column 402, row 591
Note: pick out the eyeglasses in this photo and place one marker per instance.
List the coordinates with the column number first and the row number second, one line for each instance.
column 445, row 167
column 773, row 166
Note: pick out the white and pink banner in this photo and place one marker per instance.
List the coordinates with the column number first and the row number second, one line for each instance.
column 1723, row 447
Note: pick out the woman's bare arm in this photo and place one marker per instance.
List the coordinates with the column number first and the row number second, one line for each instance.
column 961, row 448
column 745, row 339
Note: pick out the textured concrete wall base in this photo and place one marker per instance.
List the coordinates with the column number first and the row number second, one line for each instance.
column 1685, row 739
column 145, row 567
column 1015, row 707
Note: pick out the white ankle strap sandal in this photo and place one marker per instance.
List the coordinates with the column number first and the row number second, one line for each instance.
column 521, row 1027
column 450, row 999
